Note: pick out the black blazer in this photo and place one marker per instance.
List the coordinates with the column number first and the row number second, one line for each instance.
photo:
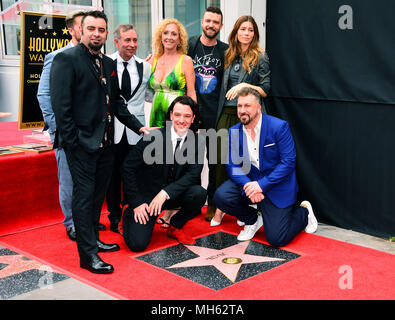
column 79, row 99
column 146, row 167
column 258, row 76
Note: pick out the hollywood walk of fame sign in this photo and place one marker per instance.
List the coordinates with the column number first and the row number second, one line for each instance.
column 219, row 260
column 40, row 34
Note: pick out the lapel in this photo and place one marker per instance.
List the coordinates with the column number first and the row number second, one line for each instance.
column 262, row 140
column 242, row 74
column 139, row 66
column 226, row 78
column 89, row 63
column 140, row 70
column 243, row 142
column 243, row 150
column 167, row 151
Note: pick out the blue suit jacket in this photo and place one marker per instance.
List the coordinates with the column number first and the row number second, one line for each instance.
column 43, row 96
column 277, row 158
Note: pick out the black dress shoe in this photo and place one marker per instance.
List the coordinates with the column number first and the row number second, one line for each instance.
column 103, row 247
column 96, row 265
column 71, row 233
column 101, row 227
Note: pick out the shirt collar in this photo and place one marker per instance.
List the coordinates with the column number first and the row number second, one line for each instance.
column 175, row 136
column 120, row 59
column 257, row 128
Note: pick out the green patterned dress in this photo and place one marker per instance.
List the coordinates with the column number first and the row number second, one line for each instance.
column 171, row 87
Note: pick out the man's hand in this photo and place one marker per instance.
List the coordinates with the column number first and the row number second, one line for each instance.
column 155, row 206
column 146, row 130
column 257, row 197
column 141, row 214
column 250, row 188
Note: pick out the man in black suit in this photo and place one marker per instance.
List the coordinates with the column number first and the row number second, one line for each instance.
column 85, row 96
column 133, row 76
column 165, row 174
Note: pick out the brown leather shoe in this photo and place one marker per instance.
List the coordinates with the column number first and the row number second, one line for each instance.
column 210, row 212
column 179, row 235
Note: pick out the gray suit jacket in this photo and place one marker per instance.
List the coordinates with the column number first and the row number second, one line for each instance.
column 43, row 96
column 135, row 103
column 259, row 76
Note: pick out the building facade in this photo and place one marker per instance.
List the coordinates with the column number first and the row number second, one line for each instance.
column 143, row 14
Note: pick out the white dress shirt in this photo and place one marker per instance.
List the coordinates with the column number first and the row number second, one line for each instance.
column 132, row 68
column 175, row 137
column 253, row 145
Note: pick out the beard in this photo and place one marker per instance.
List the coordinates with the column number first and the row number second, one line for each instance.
column 210, row 36
column 95, row 47
column 247, row 120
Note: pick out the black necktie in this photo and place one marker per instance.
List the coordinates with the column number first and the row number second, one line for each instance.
column 171, row 175
column 126, row 84
column 177, row 148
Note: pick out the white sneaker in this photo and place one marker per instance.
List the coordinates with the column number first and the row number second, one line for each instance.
column 250, row 230
column 312, row 223
column 240, row 223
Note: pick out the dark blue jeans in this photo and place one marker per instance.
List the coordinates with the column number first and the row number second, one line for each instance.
column 281, row 225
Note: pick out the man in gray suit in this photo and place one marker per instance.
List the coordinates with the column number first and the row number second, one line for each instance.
column 133, row 75
column 73, row 23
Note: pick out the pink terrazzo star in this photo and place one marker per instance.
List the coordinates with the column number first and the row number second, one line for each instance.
column 17, row 264
column 228, row 261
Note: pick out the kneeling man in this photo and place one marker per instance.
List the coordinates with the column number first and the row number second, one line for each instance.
column 165, row 174
column 261, row 169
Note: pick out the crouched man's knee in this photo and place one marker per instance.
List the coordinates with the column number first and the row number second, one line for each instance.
column 133, row 242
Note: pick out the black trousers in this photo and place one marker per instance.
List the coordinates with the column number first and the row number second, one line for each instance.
column 115, row 195
column 137, row 236
column 91, row 174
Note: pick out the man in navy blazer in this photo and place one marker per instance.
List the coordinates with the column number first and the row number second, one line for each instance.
column 261, row 167
column 73, row 23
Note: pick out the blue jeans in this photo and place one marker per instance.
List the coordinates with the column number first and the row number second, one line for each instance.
column 65, row 185
column 281, row 225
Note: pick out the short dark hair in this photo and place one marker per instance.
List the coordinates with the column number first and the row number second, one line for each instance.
column 214, row 10
column 249, row 91
column 95, row 14
column 70, row 18
column 186, row 100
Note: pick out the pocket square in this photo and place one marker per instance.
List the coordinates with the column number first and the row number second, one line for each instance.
column 269, row 145
column 112, row 74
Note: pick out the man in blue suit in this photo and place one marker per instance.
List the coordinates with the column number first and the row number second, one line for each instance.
column 73, row 23
column 261, row 167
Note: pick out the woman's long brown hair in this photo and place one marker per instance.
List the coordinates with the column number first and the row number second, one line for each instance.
column 251, row 56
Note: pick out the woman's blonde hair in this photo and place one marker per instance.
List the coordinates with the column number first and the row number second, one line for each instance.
column 157, row 45
column 251, row 56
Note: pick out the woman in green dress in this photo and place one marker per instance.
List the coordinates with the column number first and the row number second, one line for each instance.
column 172, row 72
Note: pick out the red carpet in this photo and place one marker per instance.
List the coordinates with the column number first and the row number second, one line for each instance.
column 317, row 274
column 29, row 195
column 31, row 225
